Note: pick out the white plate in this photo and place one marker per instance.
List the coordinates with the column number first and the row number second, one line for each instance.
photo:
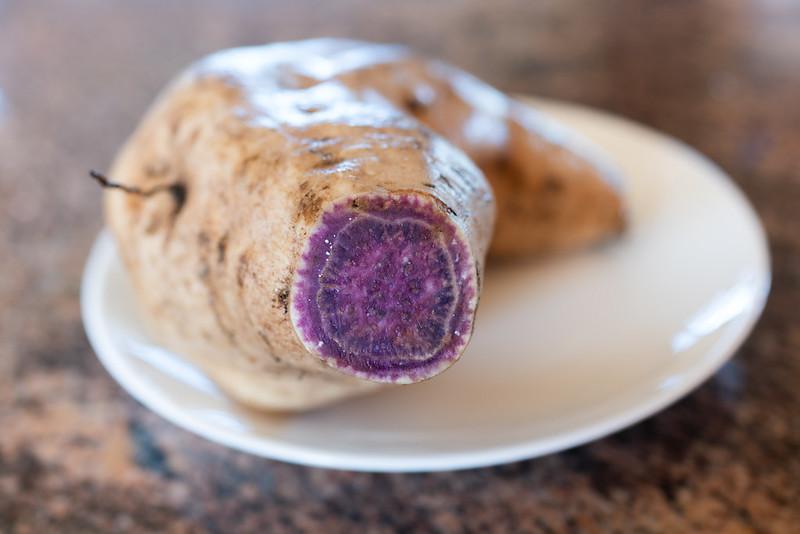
column 565, row 351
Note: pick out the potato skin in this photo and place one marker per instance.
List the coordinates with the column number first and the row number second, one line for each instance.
column 259, row 155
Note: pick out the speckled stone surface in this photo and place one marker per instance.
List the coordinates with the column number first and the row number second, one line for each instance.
column 78, row 455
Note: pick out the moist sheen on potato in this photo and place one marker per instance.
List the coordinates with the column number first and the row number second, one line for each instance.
column 316, row 243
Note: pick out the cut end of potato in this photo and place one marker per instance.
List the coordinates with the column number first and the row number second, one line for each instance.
column 387, row 289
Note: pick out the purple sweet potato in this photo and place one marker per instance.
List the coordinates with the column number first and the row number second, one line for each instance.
column 316, row 244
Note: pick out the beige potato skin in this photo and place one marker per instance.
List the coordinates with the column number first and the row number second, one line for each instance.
column 554, row 192
column 258, row 159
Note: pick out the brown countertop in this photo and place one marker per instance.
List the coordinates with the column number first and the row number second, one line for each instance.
column 77, row 454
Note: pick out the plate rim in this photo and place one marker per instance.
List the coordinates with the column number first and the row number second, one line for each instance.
column 103, row 249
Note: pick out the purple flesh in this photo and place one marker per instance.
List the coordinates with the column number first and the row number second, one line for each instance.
column 386, row 290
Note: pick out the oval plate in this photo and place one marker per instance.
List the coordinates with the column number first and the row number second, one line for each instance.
column 565, row 351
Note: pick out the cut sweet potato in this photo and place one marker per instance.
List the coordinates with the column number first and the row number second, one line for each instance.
column 319, row 245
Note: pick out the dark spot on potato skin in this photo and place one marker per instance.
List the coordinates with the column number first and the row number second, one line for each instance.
column 444, row 207
column 158, row 172
column 502, row 162
column 222, row 247
column 428, row 184
column 282, row 298
column 179, row 194
column 309, row 206
column 414, row 105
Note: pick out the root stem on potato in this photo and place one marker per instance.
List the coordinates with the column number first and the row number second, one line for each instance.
column 177, row 190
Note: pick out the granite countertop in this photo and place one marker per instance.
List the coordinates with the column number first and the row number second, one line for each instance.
column 77, row 454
